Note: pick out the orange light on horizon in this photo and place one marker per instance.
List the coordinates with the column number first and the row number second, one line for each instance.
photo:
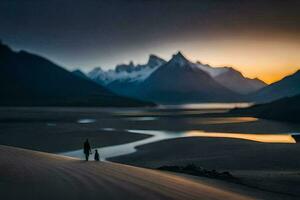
column 267, row 58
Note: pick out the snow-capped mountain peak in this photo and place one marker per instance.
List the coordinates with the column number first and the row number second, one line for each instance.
column 155, row 61
column 179, row 59
column 100, row 75
column 127, row 72
column 212, row 71
column 95, row 72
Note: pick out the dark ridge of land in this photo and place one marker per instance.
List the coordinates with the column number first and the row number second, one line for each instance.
column 286, row 109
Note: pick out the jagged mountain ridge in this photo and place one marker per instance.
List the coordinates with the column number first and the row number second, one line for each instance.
column 129, row 79
column 180, row 81
column 126, row 73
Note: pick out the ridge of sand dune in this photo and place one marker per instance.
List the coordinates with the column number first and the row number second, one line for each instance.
column 26, row 174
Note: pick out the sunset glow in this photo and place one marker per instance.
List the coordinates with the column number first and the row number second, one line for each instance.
column 269, row 59
column 266, row 138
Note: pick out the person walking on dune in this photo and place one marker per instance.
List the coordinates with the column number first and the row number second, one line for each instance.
column 87, row 149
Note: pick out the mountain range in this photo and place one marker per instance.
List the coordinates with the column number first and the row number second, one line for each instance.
column 176, row 81
column 182, row 81
column 30, row 80
column 27, row 79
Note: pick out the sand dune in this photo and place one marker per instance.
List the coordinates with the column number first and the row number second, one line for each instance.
column 26, row 174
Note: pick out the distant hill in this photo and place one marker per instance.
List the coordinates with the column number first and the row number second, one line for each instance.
column 287, row 87
column 30, row 80
column 286, row 109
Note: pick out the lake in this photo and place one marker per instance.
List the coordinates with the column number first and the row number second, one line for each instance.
column 159, row 135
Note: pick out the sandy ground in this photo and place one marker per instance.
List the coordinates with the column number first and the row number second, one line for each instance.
column 270, row 167
column 26, row 174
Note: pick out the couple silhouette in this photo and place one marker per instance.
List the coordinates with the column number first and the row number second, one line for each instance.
column 88, row 151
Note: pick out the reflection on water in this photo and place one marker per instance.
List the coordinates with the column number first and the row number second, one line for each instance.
column 266, row 138
column 208, row 106
column 178, row 110
column 141, row 118
column 221, row 120
column 204, row 120
column 166, row 113
column 128, row 148
column 108, row 129
column 51, row 124
column 86, row 121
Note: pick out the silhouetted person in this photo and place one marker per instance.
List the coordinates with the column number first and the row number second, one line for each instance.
column 96, row 155
column 87, row 149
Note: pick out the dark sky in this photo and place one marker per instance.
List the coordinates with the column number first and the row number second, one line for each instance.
column 89, row 33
